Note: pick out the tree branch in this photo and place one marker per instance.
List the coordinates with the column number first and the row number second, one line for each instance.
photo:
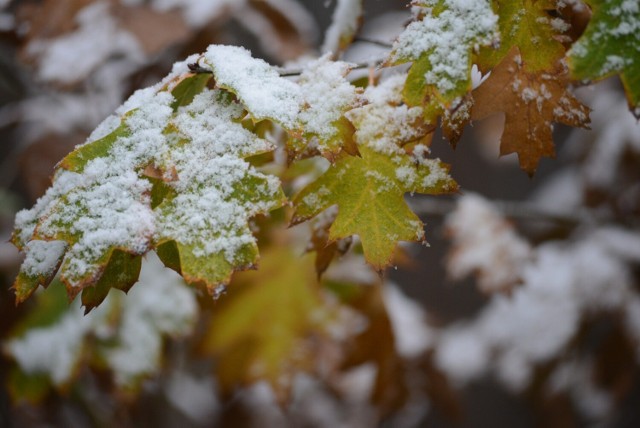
column 517, row 210
column 284, row 72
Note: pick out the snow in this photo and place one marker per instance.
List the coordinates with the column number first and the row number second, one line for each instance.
column 344, row 23
column 54, row 350
column 206, row 213
column 71, row 57
column 160, row 303
column 327, row 95
column 408, row 321
column 42, row 257
column 193, row 396
column 385, row 123
column 576, row 378
column 484, row 243
column 462, row 354
column 615, row 132
column 447, row 39
column 265, row 94
column 560, row 286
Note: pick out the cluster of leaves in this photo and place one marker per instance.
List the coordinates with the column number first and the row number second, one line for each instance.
column 187, row 169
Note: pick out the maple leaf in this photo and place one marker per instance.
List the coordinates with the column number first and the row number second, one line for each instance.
column 369, row 193
column 527, row 25
column 167, row 170
column 440, row 44
column 369, row 189
column 531, row 102
column 311, row 108
column 268, row 324
column 610, row 45
column 327, row 97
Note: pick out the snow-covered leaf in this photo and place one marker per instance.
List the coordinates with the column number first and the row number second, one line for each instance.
column 441, row 43
column 611, row 45
column 169, row 168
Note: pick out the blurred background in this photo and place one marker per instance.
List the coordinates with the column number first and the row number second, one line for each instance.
column 475, row 311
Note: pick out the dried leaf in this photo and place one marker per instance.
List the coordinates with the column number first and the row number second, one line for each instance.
column 531, row 102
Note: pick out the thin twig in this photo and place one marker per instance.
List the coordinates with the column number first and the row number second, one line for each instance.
column 511, row 209
column 373, row 42
column 353, row 66
column 198, row 69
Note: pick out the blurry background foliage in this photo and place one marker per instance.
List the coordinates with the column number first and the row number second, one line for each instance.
column 524, row 311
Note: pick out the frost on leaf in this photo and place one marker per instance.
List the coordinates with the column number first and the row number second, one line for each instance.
column 369, row 189
column 531, row 102
column 268, row 326
column 611, row 45
column 441, row 43
column 167, row 170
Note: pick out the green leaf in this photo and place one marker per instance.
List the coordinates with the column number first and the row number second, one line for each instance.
column 78, row 159
column 172, row 169
column 186, row 90
column 32, row 388
column 369, row 192
column 41, row 263
column 441, row 43
column 610, row 45
column 121, row 272
column 527, row 25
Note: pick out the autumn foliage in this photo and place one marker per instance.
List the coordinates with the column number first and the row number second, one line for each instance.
column 265, row 204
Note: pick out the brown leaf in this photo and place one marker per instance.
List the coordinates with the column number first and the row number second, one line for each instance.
column 278, row 34
column 325, row 250
column 155, row 31
column 50, row 18
column 531, row 102
column 377, row 344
